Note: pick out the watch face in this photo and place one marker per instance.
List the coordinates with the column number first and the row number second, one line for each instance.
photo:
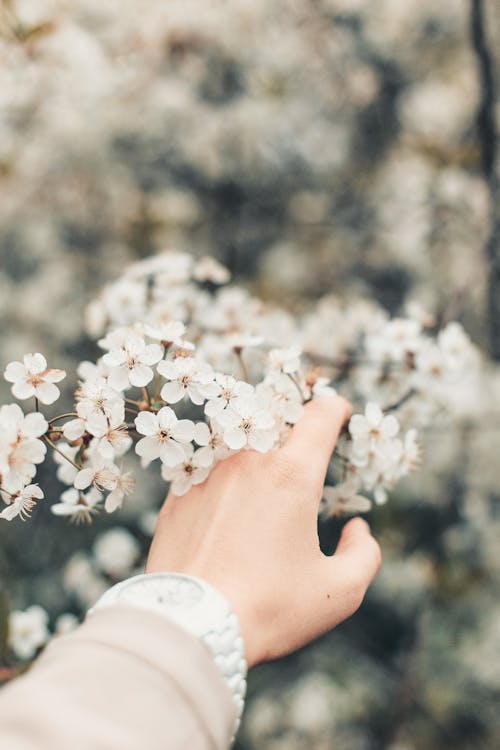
column 185, row 599
column 171, row 592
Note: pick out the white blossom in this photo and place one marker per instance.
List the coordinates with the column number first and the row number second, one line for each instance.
column 209, row 269
column 82, row 580
column 211, row 438
column 28, row 631
column 165, row 436
column 282, row 397
column 65, row 623
column 20, row 447
column 115, row 552
column 31, row 378
column 100, row 472
column 193, row 470
column 167, row 333
column 78, row 506
column 95, row 395
column 247, row 424
column 372, row 431
column 21, row 503
column 343, row 498
column 229, row 389
column 285, row 360
column 187, row 377
column 110, row 431
column 129, row 359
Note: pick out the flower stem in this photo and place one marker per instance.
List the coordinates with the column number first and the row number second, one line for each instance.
column 63, row 416
column 401, row 401
column 242, row 364
column 134, row 403
column 297, row 385
column 6, row 492
column 61, row 453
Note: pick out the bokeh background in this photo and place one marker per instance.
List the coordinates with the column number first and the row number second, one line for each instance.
column 316, row 146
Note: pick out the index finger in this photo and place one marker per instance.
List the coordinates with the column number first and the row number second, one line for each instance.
column 315, row 435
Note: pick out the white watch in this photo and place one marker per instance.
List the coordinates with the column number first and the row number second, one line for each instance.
column 199, row 608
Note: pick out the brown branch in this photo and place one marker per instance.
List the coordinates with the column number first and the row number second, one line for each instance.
column 487, row 131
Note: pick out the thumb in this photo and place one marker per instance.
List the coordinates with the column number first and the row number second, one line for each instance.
column 348, row 573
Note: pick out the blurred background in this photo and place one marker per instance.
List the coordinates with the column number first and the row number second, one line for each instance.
column 320, row 146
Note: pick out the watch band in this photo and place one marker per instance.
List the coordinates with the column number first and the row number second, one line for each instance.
column 200, row 609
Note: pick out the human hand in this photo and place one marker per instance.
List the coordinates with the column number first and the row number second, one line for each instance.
column 251, row 531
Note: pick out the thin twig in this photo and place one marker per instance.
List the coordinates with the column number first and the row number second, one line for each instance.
column 243, row 366
column 487, row 131
column 297, row 385
column 63, row 416
column 61, row 453
column 401, row 401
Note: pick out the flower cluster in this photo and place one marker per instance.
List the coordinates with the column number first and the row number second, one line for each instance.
column 194, row 371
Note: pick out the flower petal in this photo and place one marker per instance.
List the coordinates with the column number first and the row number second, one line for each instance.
column 23, row 390
column 147, row 423
column 140, row 375
column 14, row 371
column 48, row 393
column 172, row 392
column 235, row 438
column 183, row 431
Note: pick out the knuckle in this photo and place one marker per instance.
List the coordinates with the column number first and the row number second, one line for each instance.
column 243, row 462
column 355, row 599
column 355, row 592
column 377, row 554
column 289, row 471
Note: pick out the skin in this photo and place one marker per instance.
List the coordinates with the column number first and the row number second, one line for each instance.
column 251, row 531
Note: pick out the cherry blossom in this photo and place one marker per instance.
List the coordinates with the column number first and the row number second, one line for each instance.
column 115, row 552
column 282, row 397
column 95, row 395
column 209, row 269
column 20, row 447
column 99, row 472
column 31, row 378
column 342, row 499
column 212, row 441
column 65, row 623
column 129, row 359
column 21, row 503
column 28, row 631
column 250, row 365
column 372, row 431
column 111, row 432
column 187, row 377
column 229, row 389
column 285, row 360
column 124, row 485
column 193, row 470
column 165, row 436
column 167, row 333
column 78, row 506
column 247, row 424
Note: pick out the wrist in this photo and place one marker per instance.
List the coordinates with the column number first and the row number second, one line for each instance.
column 199, row 608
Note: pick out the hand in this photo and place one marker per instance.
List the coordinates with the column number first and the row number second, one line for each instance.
column 251, row 531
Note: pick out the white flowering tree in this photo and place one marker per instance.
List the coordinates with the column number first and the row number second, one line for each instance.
column 194, row 370
column 342, row 146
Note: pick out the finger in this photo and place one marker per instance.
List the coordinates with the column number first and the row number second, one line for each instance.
column 348, row 573
column 315, row 435
column 359, row 550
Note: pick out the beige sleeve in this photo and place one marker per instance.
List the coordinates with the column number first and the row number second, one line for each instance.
column 127, row 679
